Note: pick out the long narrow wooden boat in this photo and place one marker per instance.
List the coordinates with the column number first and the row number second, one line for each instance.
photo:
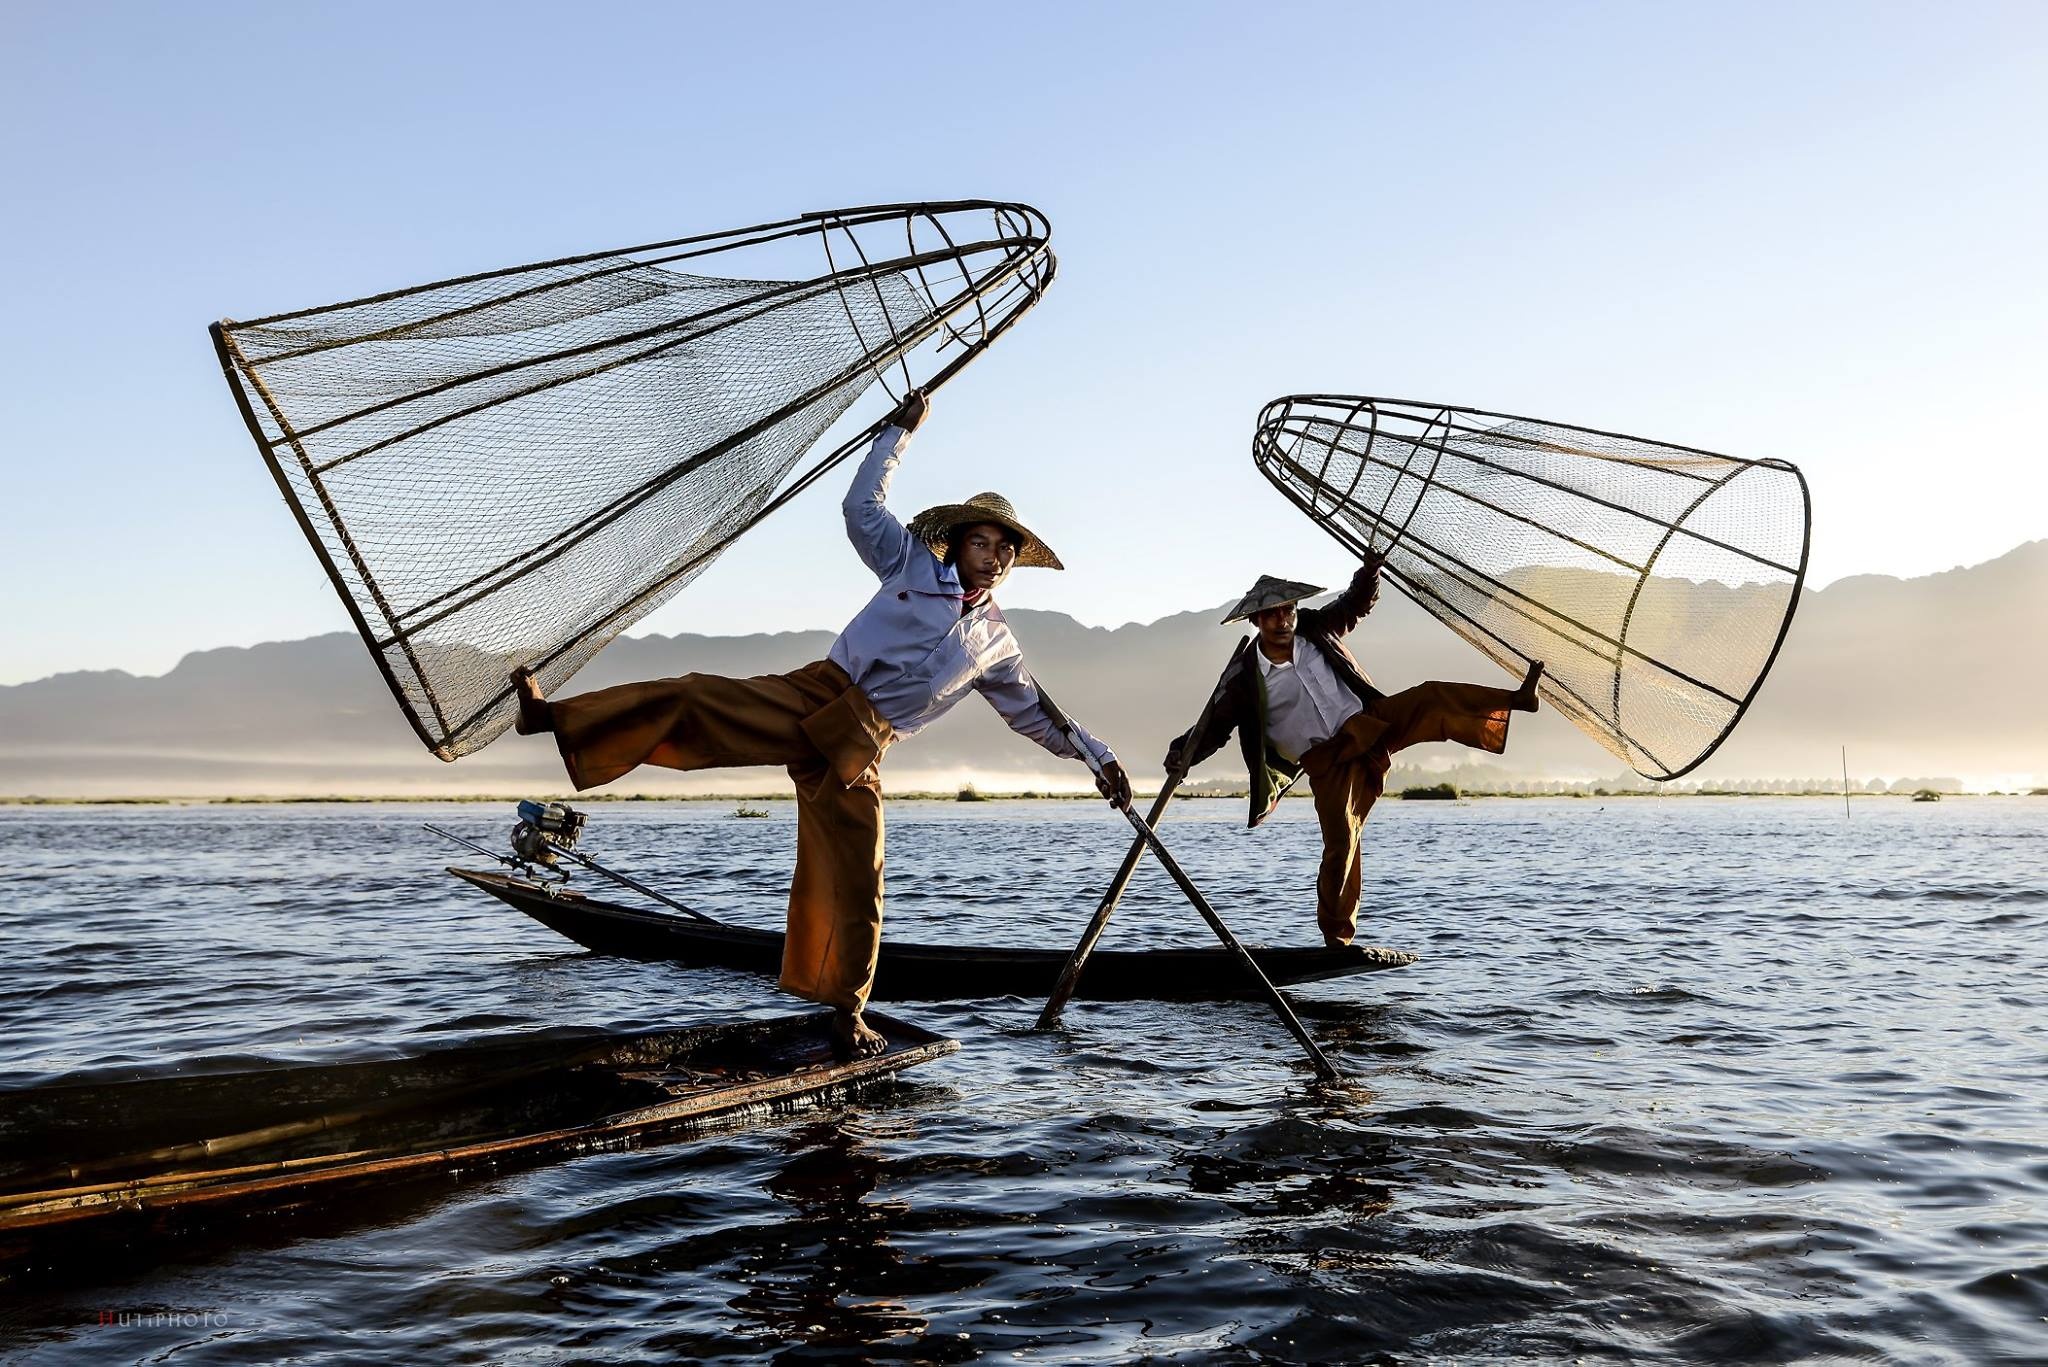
column 914, row 972
column 152, row 1152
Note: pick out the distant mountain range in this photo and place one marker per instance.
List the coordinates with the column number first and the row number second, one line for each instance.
column 1915, row 676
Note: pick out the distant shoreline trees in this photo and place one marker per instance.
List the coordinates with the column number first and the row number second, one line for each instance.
column 1476, row 780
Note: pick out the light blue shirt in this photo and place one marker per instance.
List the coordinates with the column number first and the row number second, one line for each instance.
column 910, row 649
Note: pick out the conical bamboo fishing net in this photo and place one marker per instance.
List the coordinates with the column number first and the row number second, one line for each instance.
column 1656, row 582
column 512, row 468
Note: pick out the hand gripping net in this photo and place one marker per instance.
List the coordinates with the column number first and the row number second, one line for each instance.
column 1656, row 582
column 512, row 468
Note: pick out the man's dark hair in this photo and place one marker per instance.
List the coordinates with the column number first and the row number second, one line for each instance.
column 959, row 530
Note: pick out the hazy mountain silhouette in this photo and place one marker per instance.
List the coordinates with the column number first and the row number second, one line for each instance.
column 1925, row 675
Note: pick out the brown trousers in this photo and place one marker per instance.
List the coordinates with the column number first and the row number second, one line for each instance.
column 1348, row 773
column 825, row 731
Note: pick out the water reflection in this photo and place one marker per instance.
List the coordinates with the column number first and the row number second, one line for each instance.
column 836, row 1281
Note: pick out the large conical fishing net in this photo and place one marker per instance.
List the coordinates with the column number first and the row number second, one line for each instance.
column 512, row 468
column 1655, row 581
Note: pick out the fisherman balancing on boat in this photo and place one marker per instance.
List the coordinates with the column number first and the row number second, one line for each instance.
column 1300, row 704
column 931, row 634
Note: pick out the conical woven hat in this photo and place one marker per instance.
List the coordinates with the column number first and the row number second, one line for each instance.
column 1269, row 593
column 934, row 525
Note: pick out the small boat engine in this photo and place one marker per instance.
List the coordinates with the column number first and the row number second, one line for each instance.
column 543, row 829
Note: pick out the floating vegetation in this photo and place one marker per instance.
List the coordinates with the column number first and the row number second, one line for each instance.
column 746, row 813
column 1434, row 792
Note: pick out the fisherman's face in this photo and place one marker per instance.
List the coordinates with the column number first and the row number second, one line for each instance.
column 983, row 555
column 1276, row 630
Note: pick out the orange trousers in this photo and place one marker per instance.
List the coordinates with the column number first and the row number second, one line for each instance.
column 815, row 722
column 1348, row 773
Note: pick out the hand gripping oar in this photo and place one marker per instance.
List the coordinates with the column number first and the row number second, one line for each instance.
column 1070, row 976
column 1325, row 1070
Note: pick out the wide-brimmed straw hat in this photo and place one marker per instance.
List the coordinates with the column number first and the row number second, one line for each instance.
column 1269, row 593
column 934, row 527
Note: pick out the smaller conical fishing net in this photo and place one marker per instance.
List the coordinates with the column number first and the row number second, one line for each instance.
column 512, row 468
column 1655, row 581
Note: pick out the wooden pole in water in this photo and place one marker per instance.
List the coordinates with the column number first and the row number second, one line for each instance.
column 1325, row 1069
column 1070, row 976
column 1845, row 783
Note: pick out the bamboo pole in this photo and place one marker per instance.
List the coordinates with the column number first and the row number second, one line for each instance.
column 1070, row 976
column 1325, row 1070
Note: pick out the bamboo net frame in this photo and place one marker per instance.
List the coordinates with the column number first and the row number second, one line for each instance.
column 1656, row 582
column 513, row 467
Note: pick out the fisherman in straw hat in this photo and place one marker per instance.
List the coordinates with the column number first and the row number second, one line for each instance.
column 931, row 634
column 1300, row 704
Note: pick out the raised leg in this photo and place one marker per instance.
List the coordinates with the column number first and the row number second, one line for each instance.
column 1469, row 714
column 699, row 721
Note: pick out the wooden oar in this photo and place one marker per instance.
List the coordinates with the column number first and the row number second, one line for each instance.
column 1070, row 976
column 1325, row 1070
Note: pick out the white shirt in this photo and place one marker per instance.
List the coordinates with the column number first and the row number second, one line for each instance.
column 1305, row 701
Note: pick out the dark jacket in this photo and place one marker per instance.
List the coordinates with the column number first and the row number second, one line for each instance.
column 1241, row 699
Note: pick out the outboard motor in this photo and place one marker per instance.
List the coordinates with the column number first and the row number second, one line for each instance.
column 545, row 835
column 543, row 830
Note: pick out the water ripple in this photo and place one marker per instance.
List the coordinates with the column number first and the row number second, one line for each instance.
column 1675, row 1081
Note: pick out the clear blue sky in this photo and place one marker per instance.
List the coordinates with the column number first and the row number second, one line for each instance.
column 1802, row 230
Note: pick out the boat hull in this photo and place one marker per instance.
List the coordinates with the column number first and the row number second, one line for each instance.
column 914, row 972
column 307, row 1136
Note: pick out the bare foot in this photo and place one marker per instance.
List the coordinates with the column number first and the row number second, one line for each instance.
column 1525, row 696
column 851, row 1038
column 534, row 716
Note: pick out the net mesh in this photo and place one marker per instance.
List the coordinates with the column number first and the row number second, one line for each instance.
column 1654, row 581
column 512, row 468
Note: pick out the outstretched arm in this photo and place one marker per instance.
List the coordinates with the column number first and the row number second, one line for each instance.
column 1344, row 611
column 1009, row 689
column 876, row 533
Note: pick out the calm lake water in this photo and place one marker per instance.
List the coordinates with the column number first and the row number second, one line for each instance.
column 1680, row 1080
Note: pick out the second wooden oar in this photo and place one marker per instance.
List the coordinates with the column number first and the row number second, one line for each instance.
column 1325, row 1070
column 1070, row 976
